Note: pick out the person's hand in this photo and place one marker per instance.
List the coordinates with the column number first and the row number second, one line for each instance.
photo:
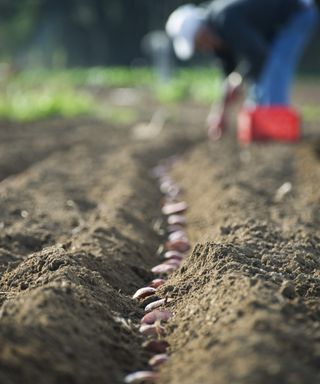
column 218, row 118
column 233, row 94
column 216, row 126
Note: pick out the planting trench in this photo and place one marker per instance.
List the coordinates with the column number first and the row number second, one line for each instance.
column 80, row 234
column 246, row 306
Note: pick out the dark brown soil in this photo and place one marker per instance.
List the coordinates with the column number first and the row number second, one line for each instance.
column 247, row 299
column 78, row 212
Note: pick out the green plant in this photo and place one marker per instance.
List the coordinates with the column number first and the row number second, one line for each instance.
column 34, row 95
column 23, row 104
column 310, row 113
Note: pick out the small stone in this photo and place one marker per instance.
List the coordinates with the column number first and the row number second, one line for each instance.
column 287, row 290
column 168, row 288
column 55, row 264
column 24, row 214
column 24, row 285
column 66, row 286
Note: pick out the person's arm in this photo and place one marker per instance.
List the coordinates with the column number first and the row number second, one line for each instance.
column 217, row 119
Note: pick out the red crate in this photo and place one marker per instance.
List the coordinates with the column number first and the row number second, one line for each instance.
column 276, row 123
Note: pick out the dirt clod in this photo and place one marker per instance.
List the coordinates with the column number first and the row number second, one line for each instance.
column 287, row 290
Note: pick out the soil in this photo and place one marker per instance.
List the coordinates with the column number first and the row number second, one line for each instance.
column 79, row 218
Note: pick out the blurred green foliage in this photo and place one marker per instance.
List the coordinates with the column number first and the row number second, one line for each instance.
column 28, row 104
column 119, row 115
column 41, row 94
column 33, row 95
column 311, row 113
column 199, row 84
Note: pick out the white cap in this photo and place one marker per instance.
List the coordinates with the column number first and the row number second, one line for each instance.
column 182, row 27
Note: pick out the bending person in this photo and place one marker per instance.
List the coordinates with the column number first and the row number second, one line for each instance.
column 267, row 35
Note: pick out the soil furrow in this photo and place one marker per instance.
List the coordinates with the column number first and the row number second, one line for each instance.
column 84, row 245
column 245, row 308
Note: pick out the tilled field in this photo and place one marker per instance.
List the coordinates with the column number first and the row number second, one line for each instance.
column 81, row 228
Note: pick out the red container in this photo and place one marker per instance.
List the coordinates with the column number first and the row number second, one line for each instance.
column 276, row 123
